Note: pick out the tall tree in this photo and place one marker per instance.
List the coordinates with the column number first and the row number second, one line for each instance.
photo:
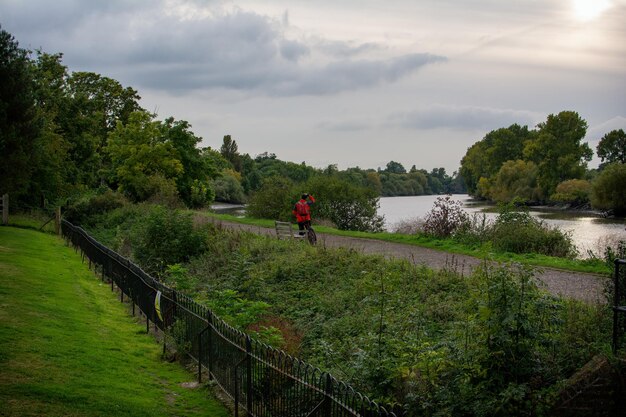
column 143, row 162
column 230, row 151
column 558, row 150
column 197, row 171
column 484, row 158
column 612, row 147
column 18, row 127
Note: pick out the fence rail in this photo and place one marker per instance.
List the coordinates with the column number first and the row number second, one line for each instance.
column 619, row 303
column 263, row 381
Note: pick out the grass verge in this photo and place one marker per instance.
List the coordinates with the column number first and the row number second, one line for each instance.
column 448, row 245
column 69, row 348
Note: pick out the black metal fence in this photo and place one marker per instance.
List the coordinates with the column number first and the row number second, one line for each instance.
column 263, row 381
column 619, row 303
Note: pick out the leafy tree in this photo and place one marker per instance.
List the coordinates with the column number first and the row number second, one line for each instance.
column 230, row 152
column 572, row 192
column 349, row 206
column 515, row 180
column 197, row 171
column 140, row 155
column 484, row 158
column 557, row 150
column 274, row 200
column 18, row 127
column 394, row 167
column 228, row 187
column 608, row 189
column 612, row 147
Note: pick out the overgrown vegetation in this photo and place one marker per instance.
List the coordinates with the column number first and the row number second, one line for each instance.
column 493, row 343
column 514, row 230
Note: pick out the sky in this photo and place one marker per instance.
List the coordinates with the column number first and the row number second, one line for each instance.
column 347, row 82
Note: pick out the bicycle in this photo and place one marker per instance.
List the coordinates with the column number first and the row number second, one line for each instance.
column 309, row 234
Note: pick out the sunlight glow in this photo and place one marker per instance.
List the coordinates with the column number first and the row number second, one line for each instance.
column 586, row 10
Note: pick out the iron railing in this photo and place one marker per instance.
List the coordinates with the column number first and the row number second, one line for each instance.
column 263, row 381
column 619, row 303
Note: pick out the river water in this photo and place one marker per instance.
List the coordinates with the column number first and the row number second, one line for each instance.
column 589, row 231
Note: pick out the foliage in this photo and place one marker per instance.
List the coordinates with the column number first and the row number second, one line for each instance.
column 228, row 188
column 515, row 230
column 166, row 237
column 138, row 153
column 274, row 200
column 575, row 192
column 94, row 204
column 18, row 127
column 348, row 206
column 230, row 152
column 193, row 182
column 445, row 218
column 485, row 157
column 612, row 147
column 608, row 192
column 515, row 180
column 557, row 150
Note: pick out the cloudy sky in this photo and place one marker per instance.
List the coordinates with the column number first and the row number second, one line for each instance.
column 356, row 83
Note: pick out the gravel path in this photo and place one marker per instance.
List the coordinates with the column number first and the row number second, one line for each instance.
column 581, row 286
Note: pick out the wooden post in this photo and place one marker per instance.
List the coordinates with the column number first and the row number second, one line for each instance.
column 57, row 221
column 5, row 209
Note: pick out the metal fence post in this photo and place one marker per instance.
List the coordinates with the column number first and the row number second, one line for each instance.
column 248, row 375
column 5, row 209
column 328, row 392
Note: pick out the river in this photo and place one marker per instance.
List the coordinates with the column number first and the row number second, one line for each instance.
column 589, row 232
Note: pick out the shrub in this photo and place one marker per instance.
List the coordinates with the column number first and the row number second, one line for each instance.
column 274, row 200
column 90, row 205
column 609, row 189
column 515, row 230
column 445, row 218
column 166, row 237
column 349, row 206
column 574, row 192
column 228, row 188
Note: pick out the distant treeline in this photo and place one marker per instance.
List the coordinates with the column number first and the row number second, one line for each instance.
column 548, row 165
column 66, row 134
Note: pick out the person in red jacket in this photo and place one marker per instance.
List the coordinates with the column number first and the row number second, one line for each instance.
column 302, row 211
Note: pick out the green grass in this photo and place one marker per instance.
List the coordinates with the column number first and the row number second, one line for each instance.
column 68, row 347
column 448, row 245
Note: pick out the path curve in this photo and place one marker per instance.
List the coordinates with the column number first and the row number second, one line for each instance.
column 581, row 286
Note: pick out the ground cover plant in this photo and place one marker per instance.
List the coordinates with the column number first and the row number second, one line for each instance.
column 69, row 348
column 438, row 343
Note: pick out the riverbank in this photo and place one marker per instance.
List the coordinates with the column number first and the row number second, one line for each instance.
column 584, row 286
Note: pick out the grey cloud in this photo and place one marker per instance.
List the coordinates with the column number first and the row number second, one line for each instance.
column 292, row 50
column 438, row 116
column 142, row 46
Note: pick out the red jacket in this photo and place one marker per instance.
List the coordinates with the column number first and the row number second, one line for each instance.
column 302, row 209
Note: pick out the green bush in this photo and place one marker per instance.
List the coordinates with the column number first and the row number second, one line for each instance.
column 274, row 200
column 609, row 189
column 515, row 230
column 445, row 218
column 228, row 189
column 166, row 237
column 348, row 206
column 94, row 204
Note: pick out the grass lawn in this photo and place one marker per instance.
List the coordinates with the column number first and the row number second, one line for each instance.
column 68, row 347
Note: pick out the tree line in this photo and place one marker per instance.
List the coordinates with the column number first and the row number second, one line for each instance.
column 64, row 134
column 548, row 165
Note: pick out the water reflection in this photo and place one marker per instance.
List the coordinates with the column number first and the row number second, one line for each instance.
column 589, row 231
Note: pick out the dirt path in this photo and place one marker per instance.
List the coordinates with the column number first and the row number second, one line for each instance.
column 581, row 286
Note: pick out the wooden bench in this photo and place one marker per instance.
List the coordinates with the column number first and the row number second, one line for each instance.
column 285, row 230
